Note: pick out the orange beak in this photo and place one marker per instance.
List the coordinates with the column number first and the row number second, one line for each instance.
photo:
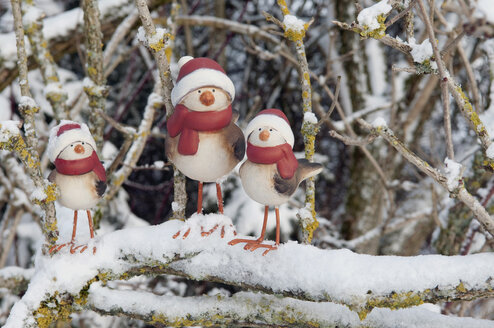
column 264, row 135
column 79, row 149
column 207, row 98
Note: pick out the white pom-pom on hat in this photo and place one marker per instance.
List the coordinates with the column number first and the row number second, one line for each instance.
column 274, row 118
column 66, row 133
column 200, row 72
column 183, row 60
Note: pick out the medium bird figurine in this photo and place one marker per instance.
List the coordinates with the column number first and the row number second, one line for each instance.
column 79, row 174
column 271, row 173
column 203, row 141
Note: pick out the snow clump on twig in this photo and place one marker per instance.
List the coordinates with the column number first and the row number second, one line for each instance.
column 368, row 16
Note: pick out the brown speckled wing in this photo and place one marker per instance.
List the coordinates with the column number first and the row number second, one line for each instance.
column 285, row 186
column 235, row 138
column 52, row 176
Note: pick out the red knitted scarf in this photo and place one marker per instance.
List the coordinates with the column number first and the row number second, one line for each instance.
column 81, row 166
column 186, row 123
column 282, row 155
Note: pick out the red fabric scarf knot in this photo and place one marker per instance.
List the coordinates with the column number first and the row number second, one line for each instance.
column 187, row 123
column 81, row 166
column 282, row 155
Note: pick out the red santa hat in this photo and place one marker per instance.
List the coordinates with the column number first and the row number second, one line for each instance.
column 66, row 133
column 274, row 118
column 200, row 72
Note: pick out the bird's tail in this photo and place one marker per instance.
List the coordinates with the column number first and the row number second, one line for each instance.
column 308, row 169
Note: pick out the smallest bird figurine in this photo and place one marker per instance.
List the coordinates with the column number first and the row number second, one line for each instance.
column 271, row 173
column 79, row 174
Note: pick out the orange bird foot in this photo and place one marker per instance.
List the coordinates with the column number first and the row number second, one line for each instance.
column 83, row 248
column 175, row 236
column 206, row 233
column 253, row 244
column 57, row 248
column 73, row 248
column 213, row 229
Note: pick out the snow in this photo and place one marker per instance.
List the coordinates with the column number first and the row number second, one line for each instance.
column 7, row 129
column 159, row 164
column 253, row 305
column 379, row 122
column 310, row 117
column 27, row 102
column 485, row 9
column 368, row 16
column 453, row 173
column 420, row 52
column 292, row 267
column 490, row 151
column 31, row 15
column 38, row 194
column 292, row 22
column 156, row 39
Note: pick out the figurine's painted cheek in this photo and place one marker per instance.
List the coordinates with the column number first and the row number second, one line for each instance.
column 79, row 149
column 207, row 98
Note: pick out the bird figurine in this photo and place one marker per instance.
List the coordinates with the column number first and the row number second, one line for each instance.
column 203, row 141
column 271, row 173
column 78, row 173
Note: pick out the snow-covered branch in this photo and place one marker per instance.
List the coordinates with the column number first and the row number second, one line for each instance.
column 246, row 309
column 360, row 282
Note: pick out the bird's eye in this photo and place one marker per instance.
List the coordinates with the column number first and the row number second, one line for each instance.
column 260, row 129
column 83, row 142
column 270, row 130
column 198, row 91
column 71, row 145
column 213, row 90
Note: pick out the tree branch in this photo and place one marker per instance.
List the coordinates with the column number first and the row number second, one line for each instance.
column 154, row 251
column 459, row 191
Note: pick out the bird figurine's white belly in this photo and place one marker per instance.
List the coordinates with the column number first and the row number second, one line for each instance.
column 77, row 192
column 211, row 162
column 258, row 183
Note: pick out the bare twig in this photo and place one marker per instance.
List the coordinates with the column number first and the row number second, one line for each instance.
column 444, row 80
column 333, row 105
column 309, row 129
column 26, row 150
column 55, row 93
column 460, row 192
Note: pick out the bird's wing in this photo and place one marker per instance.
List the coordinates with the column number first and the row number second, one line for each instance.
column 52, row 176
column 235, row 138
column 100, row 187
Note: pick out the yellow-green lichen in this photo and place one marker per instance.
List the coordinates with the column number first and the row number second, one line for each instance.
column 377, row 33
column 461, row 288
column 283, row 7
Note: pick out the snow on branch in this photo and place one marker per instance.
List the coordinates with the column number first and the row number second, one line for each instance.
column 15, row 279
column 253, row 310
column 359, row 282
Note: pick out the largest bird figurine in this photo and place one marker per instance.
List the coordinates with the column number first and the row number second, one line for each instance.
column 79, row 174
column 271, row 173
column 203, row 141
